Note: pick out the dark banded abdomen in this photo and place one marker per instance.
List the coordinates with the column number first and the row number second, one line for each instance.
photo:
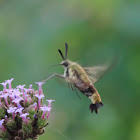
column 88, row 91
column 93, row 95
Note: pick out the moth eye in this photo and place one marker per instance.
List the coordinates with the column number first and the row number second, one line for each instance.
column 65, row 64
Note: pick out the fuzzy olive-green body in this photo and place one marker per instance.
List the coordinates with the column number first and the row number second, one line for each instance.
column 76, row 75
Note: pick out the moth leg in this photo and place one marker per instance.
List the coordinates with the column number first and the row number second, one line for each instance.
column 71, row 86
column 77, row 92
column 68, row 85
column 74, row 89
column 58, row 75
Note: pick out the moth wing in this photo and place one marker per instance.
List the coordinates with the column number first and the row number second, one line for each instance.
column 96, row 73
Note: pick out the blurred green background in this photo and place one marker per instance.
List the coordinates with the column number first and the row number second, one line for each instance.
column 96, row 31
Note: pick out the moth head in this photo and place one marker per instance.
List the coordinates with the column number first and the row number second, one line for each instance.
column 65, row 63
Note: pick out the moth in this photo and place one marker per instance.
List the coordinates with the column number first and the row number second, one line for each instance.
column 82, row 78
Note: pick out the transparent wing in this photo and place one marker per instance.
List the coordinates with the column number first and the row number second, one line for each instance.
column 96, row 73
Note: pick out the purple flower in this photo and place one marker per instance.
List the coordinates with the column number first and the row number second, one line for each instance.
column 49, row 107
column 5, row 98
column 21, row 88
column 17, row 100
column 15, row 93
column 1, row 126
column 30, row 87
column 24, row 117
column 35, row 105
column 19, row 110
column 1, row 122
column 4, row 85
column 12, row 110
column 50, row 102
column 9, row 82
column 25, row 94
column 9, row 91
column 40, row 86
column 45, row 109
column 39, row 99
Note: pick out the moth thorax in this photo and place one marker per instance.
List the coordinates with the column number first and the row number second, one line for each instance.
column 65, row 71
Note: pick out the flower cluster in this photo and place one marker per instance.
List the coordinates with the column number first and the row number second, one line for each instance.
column 22, row 114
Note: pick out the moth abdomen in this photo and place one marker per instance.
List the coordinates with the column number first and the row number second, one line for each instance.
column 95, row 107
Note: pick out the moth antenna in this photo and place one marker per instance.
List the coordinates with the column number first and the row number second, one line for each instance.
column 61, row 54
column 66, row 50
